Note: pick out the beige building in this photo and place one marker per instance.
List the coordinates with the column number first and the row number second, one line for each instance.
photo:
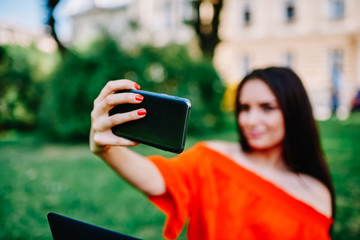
column 319, row 39
column 15, row 33
column 132, row 22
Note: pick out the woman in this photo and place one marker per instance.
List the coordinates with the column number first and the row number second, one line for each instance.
column 273, row 185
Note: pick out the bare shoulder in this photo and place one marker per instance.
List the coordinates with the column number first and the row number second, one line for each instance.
column 316, row 194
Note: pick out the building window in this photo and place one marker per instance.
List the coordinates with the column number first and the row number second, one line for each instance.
column 289, row 60
column 336, row 65
column 188, row 13
column 336, row 76
column 246, row 14
column 168, row 15
column 336, row 9
column 245, row 65
column 290, row 10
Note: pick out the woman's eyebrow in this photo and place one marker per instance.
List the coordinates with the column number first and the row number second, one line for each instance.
column 270, row 102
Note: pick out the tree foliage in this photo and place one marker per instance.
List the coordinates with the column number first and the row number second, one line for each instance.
column 207, row 32
column 50, row 6
column 21, row 75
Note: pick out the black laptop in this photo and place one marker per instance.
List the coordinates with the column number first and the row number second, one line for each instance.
column 64, row 228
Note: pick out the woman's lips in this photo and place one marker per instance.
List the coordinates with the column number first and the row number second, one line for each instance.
column 255, row 134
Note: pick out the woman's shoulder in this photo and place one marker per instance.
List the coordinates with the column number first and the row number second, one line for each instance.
column 315, row 193
column 303, row 187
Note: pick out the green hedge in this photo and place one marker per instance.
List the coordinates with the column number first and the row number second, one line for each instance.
column 81, row 75
column 22, row 73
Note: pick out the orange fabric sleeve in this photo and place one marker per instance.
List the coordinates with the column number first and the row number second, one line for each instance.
column 223, row 200
column 175, row 202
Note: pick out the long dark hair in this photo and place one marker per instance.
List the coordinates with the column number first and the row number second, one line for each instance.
column 302, row 152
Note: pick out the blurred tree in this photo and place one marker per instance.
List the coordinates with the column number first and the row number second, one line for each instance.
column 206, row 24
column 20, row 92
column 81, row 75
column 51, row 5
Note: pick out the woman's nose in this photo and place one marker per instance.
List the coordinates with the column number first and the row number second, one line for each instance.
column 252, row 117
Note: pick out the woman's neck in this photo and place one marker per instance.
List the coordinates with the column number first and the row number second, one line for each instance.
column 269, row 158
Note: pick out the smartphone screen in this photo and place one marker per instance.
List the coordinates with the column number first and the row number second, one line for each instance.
column 164, row 125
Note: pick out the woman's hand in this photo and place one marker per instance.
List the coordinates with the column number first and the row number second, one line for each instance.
column 101, row 136
column 131, row 166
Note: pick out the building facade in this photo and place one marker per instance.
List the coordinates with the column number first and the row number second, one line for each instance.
column 15, row 33
column 132, row 22
column 319, row 39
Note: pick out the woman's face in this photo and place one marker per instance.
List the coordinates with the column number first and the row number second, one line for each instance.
column 260, row 117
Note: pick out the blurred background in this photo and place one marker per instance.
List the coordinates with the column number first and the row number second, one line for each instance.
column 56, row 55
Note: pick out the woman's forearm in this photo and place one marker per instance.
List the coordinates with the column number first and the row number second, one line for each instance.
column 135, row 169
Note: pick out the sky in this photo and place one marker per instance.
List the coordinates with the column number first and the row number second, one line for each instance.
column 33, row 14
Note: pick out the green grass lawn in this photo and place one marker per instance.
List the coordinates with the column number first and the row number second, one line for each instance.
column 37, row 177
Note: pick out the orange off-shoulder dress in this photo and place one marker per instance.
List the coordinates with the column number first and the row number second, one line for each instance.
column 220, row 199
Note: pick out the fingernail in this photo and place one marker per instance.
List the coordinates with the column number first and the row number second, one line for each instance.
column 141, row 112
column 139, row 98
column 137, row 86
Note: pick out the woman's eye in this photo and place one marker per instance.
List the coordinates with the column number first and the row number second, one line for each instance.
column 268, row 108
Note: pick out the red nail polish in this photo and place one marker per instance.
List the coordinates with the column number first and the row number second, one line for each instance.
column 141, row 112
column 137, row 86
column 139, row 98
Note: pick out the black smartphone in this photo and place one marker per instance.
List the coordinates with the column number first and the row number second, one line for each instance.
column 164, row 125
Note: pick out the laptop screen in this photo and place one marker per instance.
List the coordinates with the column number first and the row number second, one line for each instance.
column 65, row 228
